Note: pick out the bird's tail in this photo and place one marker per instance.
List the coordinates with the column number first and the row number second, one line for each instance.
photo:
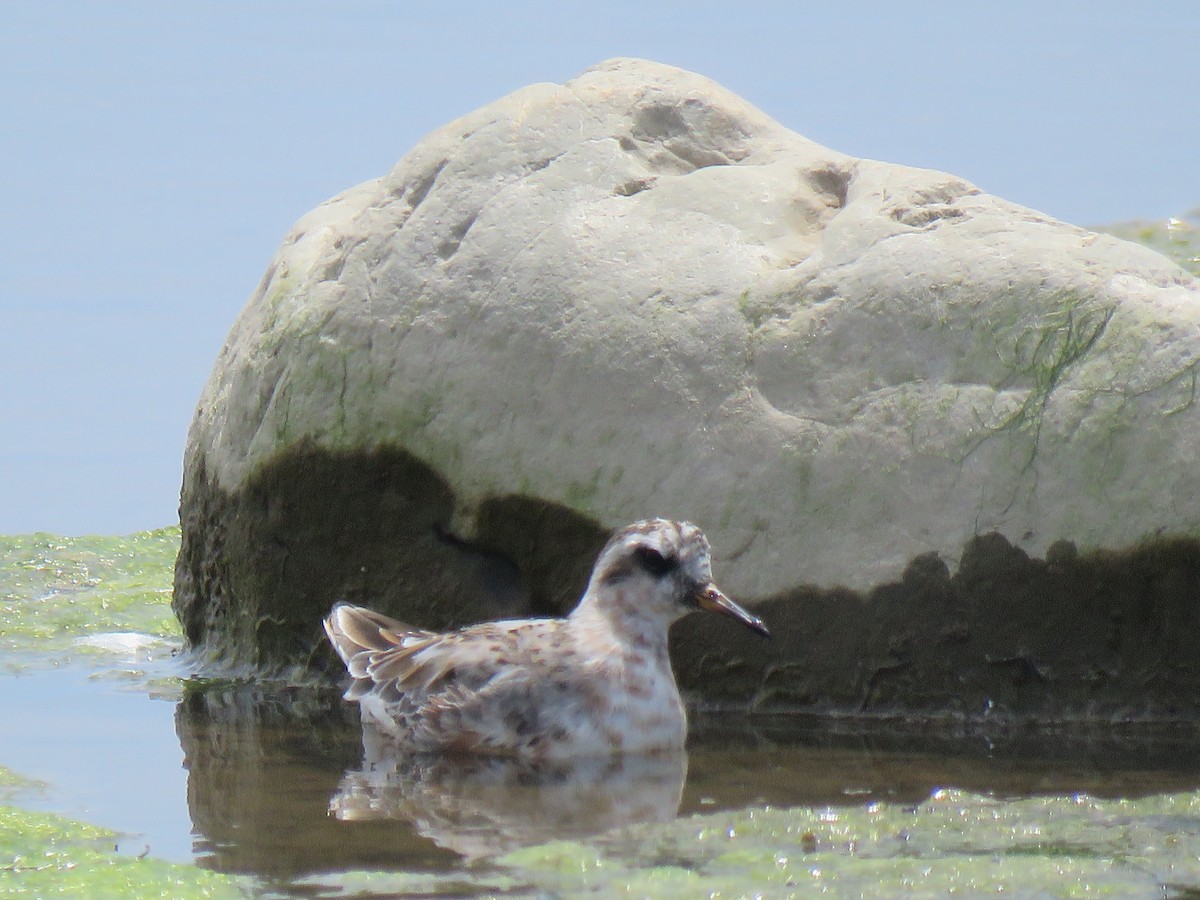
column 353, row 630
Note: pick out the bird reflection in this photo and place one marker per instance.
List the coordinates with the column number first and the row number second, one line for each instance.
column 483, row 806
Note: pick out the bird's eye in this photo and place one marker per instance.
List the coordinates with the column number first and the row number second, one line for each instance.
column 654, row 562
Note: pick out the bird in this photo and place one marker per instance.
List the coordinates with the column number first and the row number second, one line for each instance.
column 595, row 683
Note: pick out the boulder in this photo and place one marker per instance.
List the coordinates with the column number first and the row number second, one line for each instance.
column 635, row 295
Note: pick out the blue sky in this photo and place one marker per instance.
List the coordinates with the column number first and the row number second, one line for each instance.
column 153, row 154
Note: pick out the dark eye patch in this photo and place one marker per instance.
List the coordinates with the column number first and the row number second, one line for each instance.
column 654, row 562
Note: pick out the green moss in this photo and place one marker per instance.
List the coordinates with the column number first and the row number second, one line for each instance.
column 283, row 430
column 277, row 308
column 1061, row 343
column 760, row 309
column 1041, row 356
column 580, row 495
column 55, row 589
column 43, row 855
column 753, row 313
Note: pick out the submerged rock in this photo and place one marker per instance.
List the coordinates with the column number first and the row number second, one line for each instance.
column 635, row 294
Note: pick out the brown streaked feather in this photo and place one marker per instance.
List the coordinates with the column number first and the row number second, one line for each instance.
column 466, row 720
column 468, row 659
column 379, row 650
column 395, row 664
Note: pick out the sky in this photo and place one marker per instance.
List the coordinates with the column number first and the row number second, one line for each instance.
column 153, row 155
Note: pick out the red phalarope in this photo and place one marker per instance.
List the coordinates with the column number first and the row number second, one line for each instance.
column 597, row 682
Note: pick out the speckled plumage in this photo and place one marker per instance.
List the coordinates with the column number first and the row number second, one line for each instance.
column 597, row 682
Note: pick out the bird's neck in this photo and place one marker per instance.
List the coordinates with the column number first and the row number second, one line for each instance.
column 612, row 623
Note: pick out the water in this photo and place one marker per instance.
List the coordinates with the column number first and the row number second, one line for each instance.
column 107, row 754
column 278, row 782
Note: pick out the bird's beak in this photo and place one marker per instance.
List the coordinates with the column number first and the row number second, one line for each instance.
column 711, row 599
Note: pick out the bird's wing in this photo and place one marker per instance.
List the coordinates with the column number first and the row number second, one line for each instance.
column 496, row 688
column 466, row 659
column 392, row 659
column 499, row 688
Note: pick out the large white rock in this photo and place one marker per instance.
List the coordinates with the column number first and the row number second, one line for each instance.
column 635, row 294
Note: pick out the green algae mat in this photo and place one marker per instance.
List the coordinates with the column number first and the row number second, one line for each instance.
column 64, row 599
column 953, row 844
column 43, row 855
column 57, row 592
column 1178, row 238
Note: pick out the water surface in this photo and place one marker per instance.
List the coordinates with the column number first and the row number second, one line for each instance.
column 275, row 782
column 277, row 785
